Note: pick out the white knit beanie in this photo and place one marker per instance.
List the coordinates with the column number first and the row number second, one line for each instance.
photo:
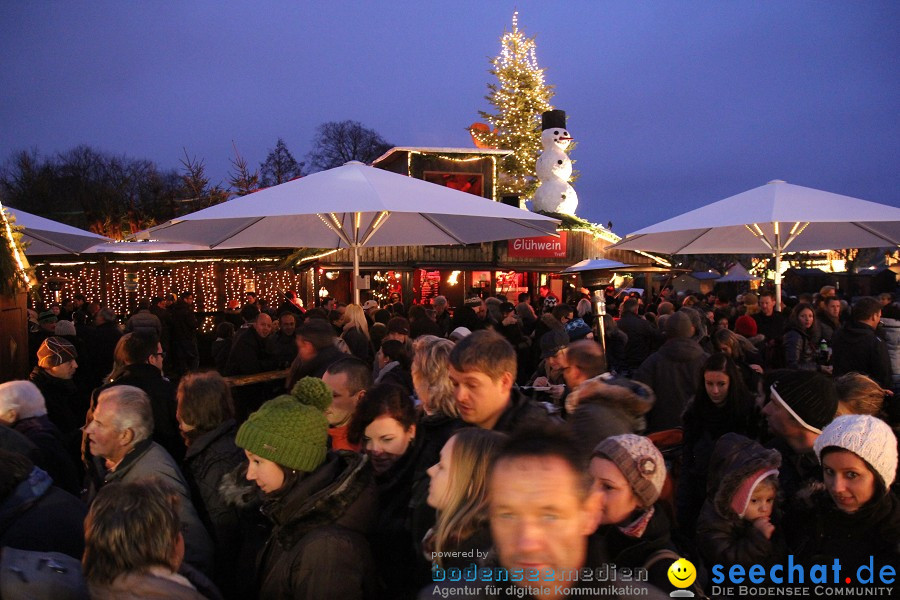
column 868, row 437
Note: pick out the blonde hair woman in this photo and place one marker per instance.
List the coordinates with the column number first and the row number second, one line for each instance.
column 458, row 492
column 430, row 375
column 437, row 421
column 356, row 333
column 858, row 395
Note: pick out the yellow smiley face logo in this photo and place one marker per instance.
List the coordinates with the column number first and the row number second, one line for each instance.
column 682, row 573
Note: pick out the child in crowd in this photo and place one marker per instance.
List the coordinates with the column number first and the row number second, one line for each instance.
column 736, row 522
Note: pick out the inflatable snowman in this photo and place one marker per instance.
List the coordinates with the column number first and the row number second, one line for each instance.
column 554, row 194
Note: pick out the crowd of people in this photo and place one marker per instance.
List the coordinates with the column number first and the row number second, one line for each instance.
column 392, row 451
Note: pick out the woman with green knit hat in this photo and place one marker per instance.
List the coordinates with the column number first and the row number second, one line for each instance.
column 321, row 503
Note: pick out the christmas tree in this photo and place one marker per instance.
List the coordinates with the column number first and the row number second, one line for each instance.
column 519, row 97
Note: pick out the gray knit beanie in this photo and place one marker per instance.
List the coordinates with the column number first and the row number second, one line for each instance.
column 640, row 462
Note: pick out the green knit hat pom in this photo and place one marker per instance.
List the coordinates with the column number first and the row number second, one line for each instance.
column 288, row 432
column 314, row 392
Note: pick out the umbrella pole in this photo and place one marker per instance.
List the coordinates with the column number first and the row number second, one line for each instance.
column 777, row 272
column 778, row 281
column 356, row 274
column 778, row 250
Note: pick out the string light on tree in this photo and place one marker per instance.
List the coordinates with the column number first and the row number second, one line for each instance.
column 519, row 97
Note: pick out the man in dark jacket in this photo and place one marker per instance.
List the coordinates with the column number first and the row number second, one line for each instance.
column 829, row 317
column 801, row 404
column 770, row 323
column 601, row 405
column 672, row 373
column 22, row 408
column 82, row 314
column 316, row 350
column 643, row 339
column 101, row 338
column 857, row 346
column 483, row 371
column 143, row 356
column 252, row 350
column 53, row 376
column 159, row 307
column 184, row 334
column 144, row 320
column 34, row 514
column 442, row 315
column 285, row 339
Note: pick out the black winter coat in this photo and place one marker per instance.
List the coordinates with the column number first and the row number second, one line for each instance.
column 800, row 349
column 183, row 321
column 207, row 460
column 642, row 339
column 606, row 408
column 58, row 462
column 610, row 545
column 60, row 399
column 420, row 327
column 798, row 473
column 100, row 345
column 444, row 322
column 819, row 532
column 318, row 548
column 358, row 344
column 251, row 354
column 522, row 412
column 672, row 372
column 391, row 538
column 857, row 347
column 144, row 321
column 704, row 425
column 38, row 516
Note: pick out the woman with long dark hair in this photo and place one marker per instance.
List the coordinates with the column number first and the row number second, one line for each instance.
column 721, row 404
column 385, row 424
column 801, row 339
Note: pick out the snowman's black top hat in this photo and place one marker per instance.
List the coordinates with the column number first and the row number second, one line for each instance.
column 553, row 119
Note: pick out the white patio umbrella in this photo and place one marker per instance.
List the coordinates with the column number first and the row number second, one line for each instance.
column 738, row 273
column 350, row 207
column 773, row 218
column 596, row 264
column 45, row 236
column 142, row 247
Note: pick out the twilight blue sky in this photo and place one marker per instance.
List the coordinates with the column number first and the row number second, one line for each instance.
column 674, row 104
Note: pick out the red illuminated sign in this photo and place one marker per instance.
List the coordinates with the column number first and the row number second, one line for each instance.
column 539, row 247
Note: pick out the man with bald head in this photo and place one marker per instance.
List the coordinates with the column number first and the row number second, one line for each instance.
column 252, row 351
